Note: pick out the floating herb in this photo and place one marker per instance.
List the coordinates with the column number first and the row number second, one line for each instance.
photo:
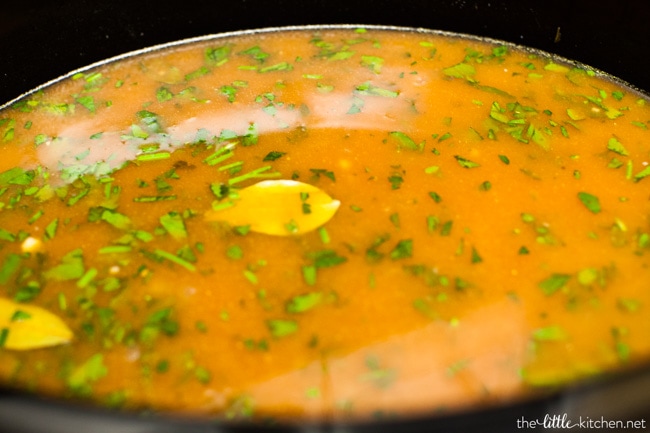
column 554, row 283
column 590, row 201
column 85, row 375
column 404, row 142
column 273, row 155
column 303, row 303
column 403, row 250
column 174, row 224
column 280, row 328
column 466, row 163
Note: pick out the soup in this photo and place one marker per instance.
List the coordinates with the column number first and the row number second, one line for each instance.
column 323, row 224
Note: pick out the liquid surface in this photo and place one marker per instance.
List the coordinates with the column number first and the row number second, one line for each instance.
column 492, row 234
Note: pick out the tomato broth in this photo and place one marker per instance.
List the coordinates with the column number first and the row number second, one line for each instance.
column 323, row 224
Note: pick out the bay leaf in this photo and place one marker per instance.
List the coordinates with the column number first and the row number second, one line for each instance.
column 27, row 327
column 278, row 207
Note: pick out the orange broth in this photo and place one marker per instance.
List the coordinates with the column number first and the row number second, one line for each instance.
column 493, row 237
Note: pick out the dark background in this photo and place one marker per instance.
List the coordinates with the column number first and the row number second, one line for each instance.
column 43, row 39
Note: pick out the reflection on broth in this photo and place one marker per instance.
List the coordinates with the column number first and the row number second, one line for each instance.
column 323, row 224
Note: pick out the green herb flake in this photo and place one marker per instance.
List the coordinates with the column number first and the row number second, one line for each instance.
column 70, row 268
column 373, row 63
column 291, row 227
column 326, row 258
column 527, row 217
column 357, row 104
column 157, row 156
column 372, row 253
column 590, row 201
column 396, row 181
column 445, row 136
column 280, row 328
column 153, row 198
column 460, row 70
column 615, row 163
column 368, row 88
column 313, row 392
column 404, row 142
column 4, row 335
column 498, row 113
column 622, row 350
column 456, row 367
column 116, row 219
column 242, row 230
column 203, row 375
column 466, row 163
column 274, row 155
column 435, row 196
column 164, row 94
column 282, row 66
column 616, row 146
column 83, row 376
column 380, row 377
column 394, row 219
column 476, row 257
column 309, row 273
column 324, row 235
column 642, row 174
column 628, row 305
column 115, row 249
column 258, row 173
column 87, row 277
column 40, row 139
column 574, row 114
column 150, row 121
column 203, row 70
column 36, row 216
column 16, row 176
column 445, row 229
column 175, row 259
column 554, row 283
column 303, row 303
column 162, row 366
column 88, row 102
column 403, row 250
column 50, row 229
column 229, row 91
column 217, row 55
column 28, row 292
column 174, row 224
column 19, row 316
column 432, row 169
column 6, row 235
column 554, row 67
column 234, row 252
column 550, row 333
column 75, row 198
column 159, row 322
column 318, row 172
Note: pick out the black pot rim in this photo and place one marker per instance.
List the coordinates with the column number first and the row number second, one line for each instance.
column 316, row 27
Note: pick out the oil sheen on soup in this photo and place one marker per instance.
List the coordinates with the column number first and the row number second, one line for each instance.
column 323, row 224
